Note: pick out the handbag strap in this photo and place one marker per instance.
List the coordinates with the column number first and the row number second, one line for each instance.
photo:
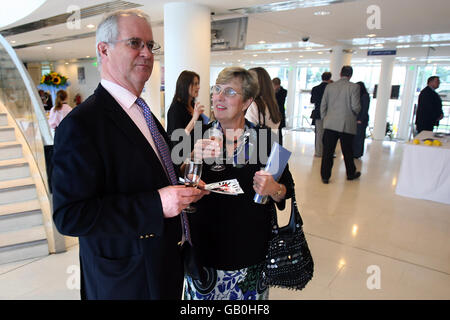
column 295, row 220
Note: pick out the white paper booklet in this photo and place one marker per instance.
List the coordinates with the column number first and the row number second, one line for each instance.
column 230, row 187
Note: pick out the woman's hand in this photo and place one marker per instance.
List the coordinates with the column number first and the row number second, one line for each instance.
column 265, row 185
column 198, row 110
column 206, row 149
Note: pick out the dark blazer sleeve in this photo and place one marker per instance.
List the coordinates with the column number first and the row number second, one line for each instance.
column 81, row 205
column 286, row 177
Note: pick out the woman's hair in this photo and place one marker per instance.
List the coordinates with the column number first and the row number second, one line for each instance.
column 61, row 96
column 362, row 88
column 265, row 100
column 184, row 81
column 249, row 82
column 108, row 28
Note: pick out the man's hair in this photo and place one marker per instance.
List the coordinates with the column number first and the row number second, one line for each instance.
column 432, row 78
column 326, row 76
column 108, row 28
column 346, row 71
column 276, row 81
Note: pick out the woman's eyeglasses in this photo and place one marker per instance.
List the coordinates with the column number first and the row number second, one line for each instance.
column 138, row 44
column 228, row 91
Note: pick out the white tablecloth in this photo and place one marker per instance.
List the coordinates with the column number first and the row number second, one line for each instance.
column 425, row 170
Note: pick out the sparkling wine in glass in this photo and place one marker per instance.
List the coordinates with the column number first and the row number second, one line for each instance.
column 217, row 135
column 192, row 174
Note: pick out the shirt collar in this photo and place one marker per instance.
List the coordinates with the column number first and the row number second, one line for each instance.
column 124, row 97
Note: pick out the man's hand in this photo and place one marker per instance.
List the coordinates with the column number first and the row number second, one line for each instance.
column 176, row 198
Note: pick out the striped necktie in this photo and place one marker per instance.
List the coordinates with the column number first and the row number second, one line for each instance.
column 164, row 152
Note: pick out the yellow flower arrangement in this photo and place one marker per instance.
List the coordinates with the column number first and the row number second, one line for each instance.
column 54, row 78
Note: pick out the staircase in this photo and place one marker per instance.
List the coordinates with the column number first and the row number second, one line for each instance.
column 22, row 233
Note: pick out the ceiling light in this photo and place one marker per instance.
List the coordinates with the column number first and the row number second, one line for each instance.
column 308, row 48
column 379, row 45
column 48, row 48
column 286, row 59
column 413, row 59
column 322, row 13
column 300, row 56
column 255, row 55
column 261, row 42
column 66, row 63
column 88, row 56
column 13, row 41
column 90, row 26
column 372, row 35
column 320, row 52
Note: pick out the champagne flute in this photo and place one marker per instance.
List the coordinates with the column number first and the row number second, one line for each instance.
column 217, row 135
column 192, row 174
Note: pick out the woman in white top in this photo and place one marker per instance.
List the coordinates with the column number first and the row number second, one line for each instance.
column 60, row 110
column 264, row 109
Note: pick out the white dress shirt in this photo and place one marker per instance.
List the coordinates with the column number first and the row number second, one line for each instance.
column 127, row 101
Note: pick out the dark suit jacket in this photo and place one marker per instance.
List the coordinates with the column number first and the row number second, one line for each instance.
column 280, row 95
column 316, row 98
column 105, row 181
column 429, row 110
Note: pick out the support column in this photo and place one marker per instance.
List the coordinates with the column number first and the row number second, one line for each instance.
column 290, row 100
column 383, row 96
column 187, row 46
column 152, row 89
column 407, row 106
column 338, row 59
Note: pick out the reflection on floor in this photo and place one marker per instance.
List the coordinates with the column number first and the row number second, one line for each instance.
column 367, row 242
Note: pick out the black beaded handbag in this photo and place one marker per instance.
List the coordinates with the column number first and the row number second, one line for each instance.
column 288, row 263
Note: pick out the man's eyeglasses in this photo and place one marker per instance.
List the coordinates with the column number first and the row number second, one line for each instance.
column 228, row 91
column 138, row 44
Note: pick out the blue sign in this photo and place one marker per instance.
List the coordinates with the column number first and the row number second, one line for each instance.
column 382, row 52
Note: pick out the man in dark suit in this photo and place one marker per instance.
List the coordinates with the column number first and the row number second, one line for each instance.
column 113, row 180
column 280, row 95
column 429, row 109
column 316, row 98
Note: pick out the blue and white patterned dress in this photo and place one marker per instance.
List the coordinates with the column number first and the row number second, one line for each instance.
column 242, row 284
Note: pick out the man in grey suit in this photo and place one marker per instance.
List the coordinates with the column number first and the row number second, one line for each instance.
column 339, row 109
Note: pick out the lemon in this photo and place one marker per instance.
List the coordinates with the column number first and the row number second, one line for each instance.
column 416, row 141
column 427, row 143
column 437, row 143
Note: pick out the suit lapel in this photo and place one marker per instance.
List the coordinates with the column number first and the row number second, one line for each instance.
column 126, row 125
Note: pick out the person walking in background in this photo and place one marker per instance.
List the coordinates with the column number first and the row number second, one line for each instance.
column 60, row 110
column 362, row 121
column 316, row 99
column 114, row 184
column 184, row 111
column 264, row 109
column 339, row 109
column 280, row 95
column 429, row 108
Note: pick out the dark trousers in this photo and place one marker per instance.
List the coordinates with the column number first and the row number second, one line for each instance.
column 330, row 138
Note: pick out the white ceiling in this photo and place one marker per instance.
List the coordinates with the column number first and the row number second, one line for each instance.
column 414, row 23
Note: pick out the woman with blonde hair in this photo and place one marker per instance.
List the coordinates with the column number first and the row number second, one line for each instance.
column 60, row 110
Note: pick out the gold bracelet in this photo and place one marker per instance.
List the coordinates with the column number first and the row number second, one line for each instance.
column 278, row 192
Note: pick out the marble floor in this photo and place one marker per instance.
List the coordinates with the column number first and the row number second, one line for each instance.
column 367, row 242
